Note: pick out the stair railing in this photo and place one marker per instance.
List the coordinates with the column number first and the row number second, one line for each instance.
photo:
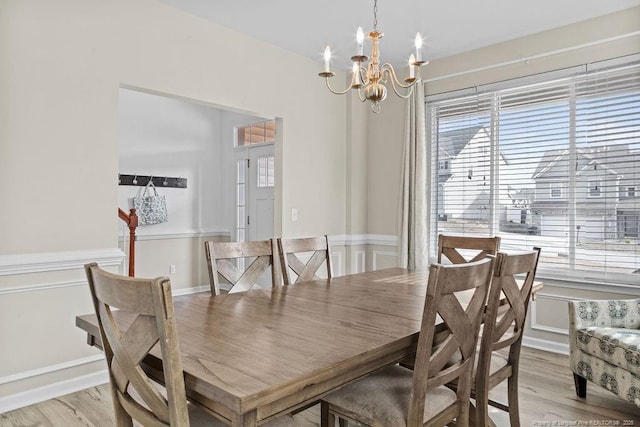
column 132, row 222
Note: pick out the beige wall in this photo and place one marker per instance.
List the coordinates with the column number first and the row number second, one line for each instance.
column 62, row 64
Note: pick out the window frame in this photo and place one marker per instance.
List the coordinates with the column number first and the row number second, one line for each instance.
column 598, row 187
column 480, row 98
column 556, row 186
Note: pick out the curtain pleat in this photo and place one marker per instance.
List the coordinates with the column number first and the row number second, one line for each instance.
column 415, row 191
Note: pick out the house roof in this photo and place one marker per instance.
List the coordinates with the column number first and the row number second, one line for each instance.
column 617, row 160
column 452, row 142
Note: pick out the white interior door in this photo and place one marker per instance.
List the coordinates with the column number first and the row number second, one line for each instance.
column 254, row 193
column 261, row 184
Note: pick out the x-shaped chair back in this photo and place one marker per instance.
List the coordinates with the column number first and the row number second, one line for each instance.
column 290, row 250
column 449, row 355
column 125, row 346
column 222, row 258
column 478, row 247
column 504, row 323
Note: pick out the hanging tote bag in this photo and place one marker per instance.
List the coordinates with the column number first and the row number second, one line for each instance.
column 150, row 207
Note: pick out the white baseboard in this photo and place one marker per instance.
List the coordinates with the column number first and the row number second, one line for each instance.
column 551, row 346
column 40, row 394
column 187, row 291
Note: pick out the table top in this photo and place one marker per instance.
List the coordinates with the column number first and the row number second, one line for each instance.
column 251, row 350
column 249, row 356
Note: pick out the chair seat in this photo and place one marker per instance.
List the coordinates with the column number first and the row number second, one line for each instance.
column 383, row 397
column 618, row 346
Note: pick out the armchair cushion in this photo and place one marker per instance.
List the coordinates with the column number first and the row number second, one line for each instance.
column 604, row 344
column 618, row 346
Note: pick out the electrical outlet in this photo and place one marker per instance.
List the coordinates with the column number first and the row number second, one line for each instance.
column 294, row 214
column 172, row 269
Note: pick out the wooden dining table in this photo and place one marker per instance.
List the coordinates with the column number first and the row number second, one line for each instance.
column 251, row 356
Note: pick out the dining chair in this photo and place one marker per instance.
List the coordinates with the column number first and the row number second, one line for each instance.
column 226, row 259
column 136, row 396
column 454, row 248
column 316, row 249
column 397, row 396
column 503, row 329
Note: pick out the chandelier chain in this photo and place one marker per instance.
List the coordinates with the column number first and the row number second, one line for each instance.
column 375, row 15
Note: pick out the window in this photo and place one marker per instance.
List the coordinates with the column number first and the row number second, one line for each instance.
column 543, row 163
column 256, row 133
column 594, row 188
column 241, row 203
column 443, row 165
column 266, row 172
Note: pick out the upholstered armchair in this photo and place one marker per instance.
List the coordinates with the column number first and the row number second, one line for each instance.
column 604, row 342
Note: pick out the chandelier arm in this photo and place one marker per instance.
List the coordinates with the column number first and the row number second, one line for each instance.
column 362, row 98
column 394, row 78
column 364, row 75
column 388, row 71
column 336, row 91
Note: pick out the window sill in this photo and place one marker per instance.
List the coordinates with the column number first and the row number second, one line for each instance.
column 591, row 284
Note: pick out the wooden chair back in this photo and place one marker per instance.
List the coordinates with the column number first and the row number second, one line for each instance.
column 504, row 323
column 480, row 247
column 449, row 355
column 135, row 396
column 223, row 256
column 320, row 253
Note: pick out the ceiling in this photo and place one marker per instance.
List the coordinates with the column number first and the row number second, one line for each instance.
column 448, row 27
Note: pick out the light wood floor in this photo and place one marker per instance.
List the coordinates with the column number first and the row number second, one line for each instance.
column 547, row 398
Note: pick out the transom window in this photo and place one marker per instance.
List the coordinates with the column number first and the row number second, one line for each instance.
column 256, row 133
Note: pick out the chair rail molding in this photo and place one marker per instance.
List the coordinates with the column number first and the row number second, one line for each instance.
column 57, row 261
column 176, row 235
column 363, row 239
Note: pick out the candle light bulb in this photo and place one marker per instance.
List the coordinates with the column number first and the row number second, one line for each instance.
column 418, row 43
column 360, row 40
column 412, row 70
column 327, row 59
column 356, row 74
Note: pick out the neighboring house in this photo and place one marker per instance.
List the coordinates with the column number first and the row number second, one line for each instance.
column 464, row 174
column 607, row 200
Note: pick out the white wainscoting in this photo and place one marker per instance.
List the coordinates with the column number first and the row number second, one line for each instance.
column 377, row 258
column 359, row 263
column 20, row 267
column 537, row 324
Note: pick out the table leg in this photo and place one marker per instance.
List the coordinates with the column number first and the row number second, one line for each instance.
column 248, row 419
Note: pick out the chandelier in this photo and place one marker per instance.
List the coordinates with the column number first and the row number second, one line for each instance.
column 370, row 80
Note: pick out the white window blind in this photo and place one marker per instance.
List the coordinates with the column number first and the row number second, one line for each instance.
column 553, row 164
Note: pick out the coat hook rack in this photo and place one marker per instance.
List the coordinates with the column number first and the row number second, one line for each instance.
column 158, row 181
